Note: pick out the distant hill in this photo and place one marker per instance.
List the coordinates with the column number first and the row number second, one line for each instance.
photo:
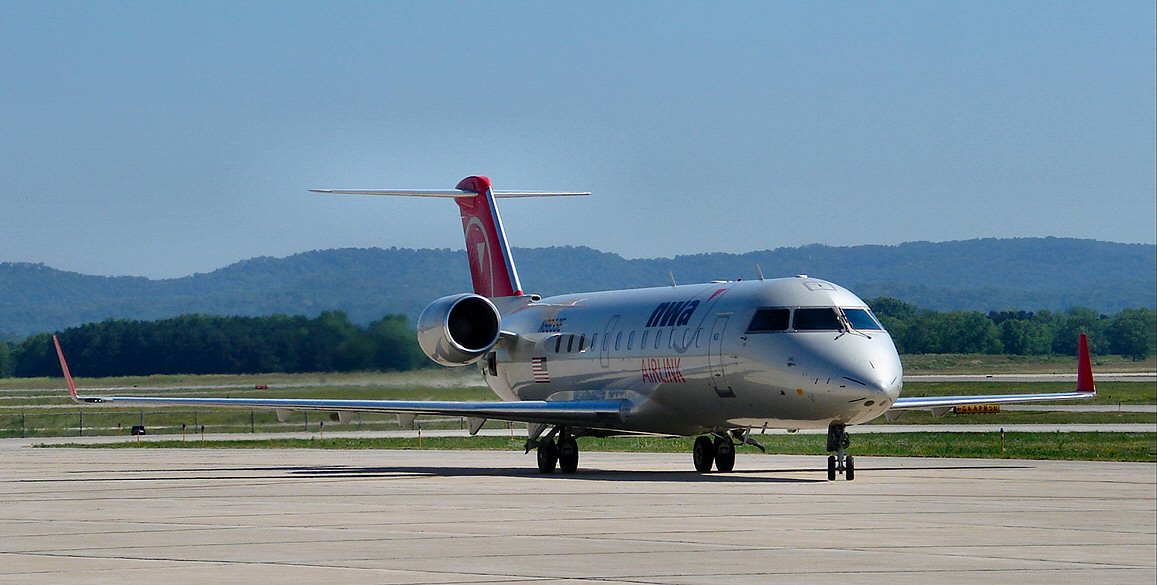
column 986, row 274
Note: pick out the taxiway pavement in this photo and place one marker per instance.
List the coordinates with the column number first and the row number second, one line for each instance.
column 312, row 516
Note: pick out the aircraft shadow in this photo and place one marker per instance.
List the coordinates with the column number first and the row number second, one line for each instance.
column 618, row 475
column 739, row 476
column 401, row 472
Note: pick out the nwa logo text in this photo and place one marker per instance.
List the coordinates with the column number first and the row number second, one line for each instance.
column 672, row 314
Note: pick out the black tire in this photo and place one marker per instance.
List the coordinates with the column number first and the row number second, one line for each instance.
column 849, row 468
column 831, row 467
column 724, row 454
column 703, row 454
column 547, row 457
column 568, row 456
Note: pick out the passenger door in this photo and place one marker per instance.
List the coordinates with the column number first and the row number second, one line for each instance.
column 606, row 347
column 715, row 349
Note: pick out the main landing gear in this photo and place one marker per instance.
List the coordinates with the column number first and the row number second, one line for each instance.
column 719, row 451
column 838, row 441
column 564, row 453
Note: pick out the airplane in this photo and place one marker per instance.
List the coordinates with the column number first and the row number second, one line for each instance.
column 715, row 360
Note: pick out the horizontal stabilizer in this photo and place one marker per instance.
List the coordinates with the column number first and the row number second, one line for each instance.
column 455, row 193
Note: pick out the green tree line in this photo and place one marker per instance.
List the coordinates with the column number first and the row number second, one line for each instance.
column 330, row 342
column 1130, row 333
column 205, row 344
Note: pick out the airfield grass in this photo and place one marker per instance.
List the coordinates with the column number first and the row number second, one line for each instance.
column 36, row 408
column 1053, row 446
column 108, row 422
column 41, row 408
column 956, row 363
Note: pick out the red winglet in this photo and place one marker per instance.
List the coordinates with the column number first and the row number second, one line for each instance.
column 1084, row 366
column 64, row 368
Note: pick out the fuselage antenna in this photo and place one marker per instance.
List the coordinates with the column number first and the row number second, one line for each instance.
column 671, row 273
column 759, row 270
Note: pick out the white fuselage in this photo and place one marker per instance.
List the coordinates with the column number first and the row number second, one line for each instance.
column 690, row 360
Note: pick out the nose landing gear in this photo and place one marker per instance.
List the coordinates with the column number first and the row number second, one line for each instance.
column 838, row 441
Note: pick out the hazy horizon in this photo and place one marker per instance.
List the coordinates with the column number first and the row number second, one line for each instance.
column 167, row 139
column 517, row 247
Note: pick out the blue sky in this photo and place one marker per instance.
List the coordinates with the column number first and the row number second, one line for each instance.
column 162, row 139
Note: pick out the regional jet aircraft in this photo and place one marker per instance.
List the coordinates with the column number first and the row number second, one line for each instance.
column 716, row 360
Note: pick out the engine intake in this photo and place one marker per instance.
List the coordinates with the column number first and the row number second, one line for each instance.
column 458, row 329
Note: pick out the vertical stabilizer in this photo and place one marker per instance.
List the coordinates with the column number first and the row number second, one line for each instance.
column 491, row 265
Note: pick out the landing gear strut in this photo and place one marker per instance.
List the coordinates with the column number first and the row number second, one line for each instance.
column 838, row 441
column 564, row 453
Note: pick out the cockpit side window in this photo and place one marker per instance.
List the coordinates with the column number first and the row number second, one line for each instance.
column 817, row 319
column 862, row 319
column 766, row 320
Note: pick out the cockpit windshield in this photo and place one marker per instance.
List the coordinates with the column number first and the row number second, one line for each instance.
column 820, row 319
column 862, row 319
column 813, row 319
column 766, row 320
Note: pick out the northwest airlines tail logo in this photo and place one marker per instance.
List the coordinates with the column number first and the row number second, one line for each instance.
column 481, row 258
column 672, row 314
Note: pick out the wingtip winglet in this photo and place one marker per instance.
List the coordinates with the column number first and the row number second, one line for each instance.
column 64, row 368
column 1084, row 366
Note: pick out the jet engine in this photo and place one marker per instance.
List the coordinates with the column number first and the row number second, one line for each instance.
column 458, row 329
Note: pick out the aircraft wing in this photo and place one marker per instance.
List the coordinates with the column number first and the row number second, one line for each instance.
column 586, row 413
column 1086, row 389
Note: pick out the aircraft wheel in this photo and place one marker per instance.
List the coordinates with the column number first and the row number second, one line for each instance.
column 548, row 457
column 849, row 468
column 568, row 456
column 724, row 454
column 831, row 467
column 703, row 453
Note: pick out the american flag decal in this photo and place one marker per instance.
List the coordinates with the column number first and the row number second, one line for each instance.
column 538, row 370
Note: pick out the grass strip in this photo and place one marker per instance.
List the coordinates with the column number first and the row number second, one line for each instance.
column 1041, row 446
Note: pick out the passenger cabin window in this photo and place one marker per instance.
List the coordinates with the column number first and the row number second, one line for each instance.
column 862, row 319
column 820, row 319
column 557, row 343
column 582, row 342
column 766, row 320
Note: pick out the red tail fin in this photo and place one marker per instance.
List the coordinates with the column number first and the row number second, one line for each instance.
column 1084, row 366
column 491, row 265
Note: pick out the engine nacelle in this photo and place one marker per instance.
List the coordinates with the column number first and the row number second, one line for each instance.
column 458, row 329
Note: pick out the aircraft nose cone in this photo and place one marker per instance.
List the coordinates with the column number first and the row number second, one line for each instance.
column 881, row 377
